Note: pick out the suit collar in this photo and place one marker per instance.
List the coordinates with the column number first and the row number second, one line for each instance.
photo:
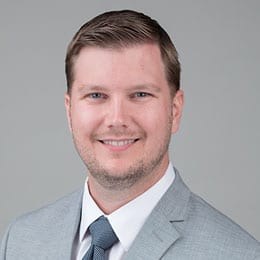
column 161, row 228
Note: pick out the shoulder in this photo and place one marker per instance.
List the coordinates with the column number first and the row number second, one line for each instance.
column 205, row 214
column 50, row 212
column 217, row 232
column 38, row 230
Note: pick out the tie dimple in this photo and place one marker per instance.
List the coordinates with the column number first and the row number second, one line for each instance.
column 103, row 237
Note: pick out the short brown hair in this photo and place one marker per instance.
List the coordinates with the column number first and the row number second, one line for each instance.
column 118, row 29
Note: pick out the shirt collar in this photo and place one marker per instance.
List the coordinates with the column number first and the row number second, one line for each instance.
column 132, row 215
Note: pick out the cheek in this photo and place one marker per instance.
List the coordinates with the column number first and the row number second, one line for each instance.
column 150, row 121
column 157, row 117
column 84, row 120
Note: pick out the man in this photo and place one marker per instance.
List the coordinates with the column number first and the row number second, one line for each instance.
column 123, row 103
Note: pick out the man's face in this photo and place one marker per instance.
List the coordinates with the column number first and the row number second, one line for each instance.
column 121, row 114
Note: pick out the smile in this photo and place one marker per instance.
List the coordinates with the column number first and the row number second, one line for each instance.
column 118, row 143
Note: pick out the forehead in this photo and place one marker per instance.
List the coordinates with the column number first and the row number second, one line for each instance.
column 135, row 64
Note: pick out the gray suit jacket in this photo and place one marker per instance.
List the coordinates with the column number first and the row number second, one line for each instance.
column 182, row 226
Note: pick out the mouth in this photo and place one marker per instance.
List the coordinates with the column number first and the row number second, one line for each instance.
column 118, row 143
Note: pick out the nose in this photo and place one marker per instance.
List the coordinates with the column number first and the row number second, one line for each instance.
column 117, row 113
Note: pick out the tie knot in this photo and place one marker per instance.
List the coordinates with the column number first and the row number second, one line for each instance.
column 102, row 233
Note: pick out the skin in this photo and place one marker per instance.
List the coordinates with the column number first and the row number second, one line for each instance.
column 121, row 116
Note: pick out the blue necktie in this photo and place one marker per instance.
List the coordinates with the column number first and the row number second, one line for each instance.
column 103, row 237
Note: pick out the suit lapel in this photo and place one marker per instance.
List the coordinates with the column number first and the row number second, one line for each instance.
column 66, row 227
column 161, row 231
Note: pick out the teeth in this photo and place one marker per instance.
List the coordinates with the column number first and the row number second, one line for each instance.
column 118, row 143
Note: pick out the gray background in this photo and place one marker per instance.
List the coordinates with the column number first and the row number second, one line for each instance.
column 217, row 148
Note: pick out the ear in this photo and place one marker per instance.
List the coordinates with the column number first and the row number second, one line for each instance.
column 177, row 106
column 68, row 106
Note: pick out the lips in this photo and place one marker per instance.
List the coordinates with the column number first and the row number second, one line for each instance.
column 118, row 143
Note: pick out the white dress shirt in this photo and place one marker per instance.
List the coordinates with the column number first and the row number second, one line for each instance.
column 125, row 221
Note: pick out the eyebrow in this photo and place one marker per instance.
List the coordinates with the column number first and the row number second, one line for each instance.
column 99, row 88
column 146, row 87
column 91, row 88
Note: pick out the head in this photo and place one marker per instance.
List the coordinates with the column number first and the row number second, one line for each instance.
column 123, row 100
column 120, row 29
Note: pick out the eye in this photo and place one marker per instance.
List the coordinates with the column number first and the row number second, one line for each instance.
column 141, row 95
column 96, row 95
